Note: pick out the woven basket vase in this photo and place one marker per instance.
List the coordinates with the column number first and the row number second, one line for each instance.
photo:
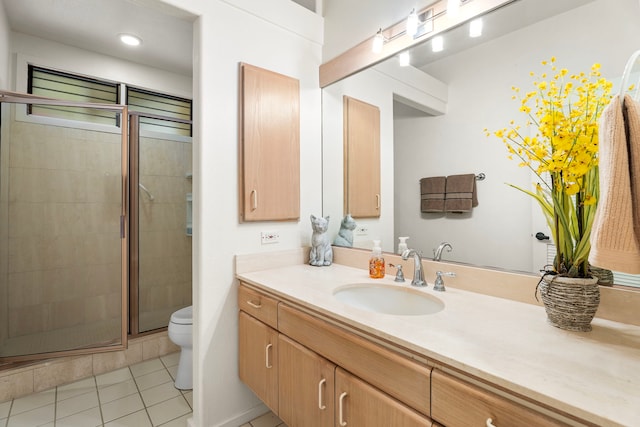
column 570, row 302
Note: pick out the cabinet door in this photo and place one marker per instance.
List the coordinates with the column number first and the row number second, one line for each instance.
column 360, row 404
column 361, row 159
column 306, row 384
column 258, row 359
column 269, row 145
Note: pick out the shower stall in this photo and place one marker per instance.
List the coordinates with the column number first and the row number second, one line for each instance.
column 93, row 227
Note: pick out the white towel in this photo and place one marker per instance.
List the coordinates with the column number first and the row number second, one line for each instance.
column 616, row 227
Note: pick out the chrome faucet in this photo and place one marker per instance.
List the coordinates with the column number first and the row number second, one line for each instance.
column 418, row 275
column 437, row 253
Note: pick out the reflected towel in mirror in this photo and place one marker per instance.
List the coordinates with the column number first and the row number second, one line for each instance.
column 460, row 193
column 432, row 191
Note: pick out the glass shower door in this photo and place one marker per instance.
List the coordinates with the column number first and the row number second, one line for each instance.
column 160, row 225
column 63, row 217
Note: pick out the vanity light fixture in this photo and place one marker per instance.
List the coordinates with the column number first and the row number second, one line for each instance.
column 475, row 28
column 412, row 23
column 437, row 44
column 404, row 59
column 130, row 39
column 378, row 42
column 453, row 7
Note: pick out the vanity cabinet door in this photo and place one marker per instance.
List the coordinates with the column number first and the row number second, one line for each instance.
column 306, row 386
column 457, row 403
column 360, row 404
column 258, row 359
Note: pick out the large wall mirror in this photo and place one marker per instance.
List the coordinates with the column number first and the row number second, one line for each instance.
column 432, row 116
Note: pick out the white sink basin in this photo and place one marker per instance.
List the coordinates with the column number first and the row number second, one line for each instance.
column 388, row 299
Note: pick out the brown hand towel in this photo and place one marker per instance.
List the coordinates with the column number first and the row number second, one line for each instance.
column 432, row 194
column 460, row 194
column 616, row 226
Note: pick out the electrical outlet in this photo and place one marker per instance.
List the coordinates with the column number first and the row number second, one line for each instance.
column 267, row 237
column 362, row 231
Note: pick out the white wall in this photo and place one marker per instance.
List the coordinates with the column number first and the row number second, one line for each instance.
column 5, row 35
column 37, row 51
column 376, row 86
column 281, row 36
column 498, row 231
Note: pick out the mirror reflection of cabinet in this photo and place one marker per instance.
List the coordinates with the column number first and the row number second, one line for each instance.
column 361, row 159
column 269, row 145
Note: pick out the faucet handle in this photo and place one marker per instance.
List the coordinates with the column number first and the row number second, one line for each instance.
column 399, row 273
column 439, row 283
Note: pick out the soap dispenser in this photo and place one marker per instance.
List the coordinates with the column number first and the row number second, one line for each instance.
column 402, row 246
column 376, row 263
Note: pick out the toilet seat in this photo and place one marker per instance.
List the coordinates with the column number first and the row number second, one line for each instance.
column 184, row 316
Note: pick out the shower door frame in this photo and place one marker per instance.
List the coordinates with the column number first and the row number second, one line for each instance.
column 134, row 224
column 22, row 98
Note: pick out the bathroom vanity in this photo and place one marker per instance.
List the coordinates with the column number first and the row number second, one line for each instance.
column 318, row 361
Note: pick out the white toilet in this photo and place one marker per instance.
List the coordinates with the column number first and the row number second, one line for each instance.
column 181, row 333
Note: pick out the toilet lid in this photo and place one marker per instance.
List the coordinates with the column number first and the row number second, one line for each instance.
column 184, row 316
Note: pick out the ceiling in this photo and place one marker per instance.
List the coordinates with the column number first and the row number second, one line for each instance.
column 166, row 31
column 94, row 25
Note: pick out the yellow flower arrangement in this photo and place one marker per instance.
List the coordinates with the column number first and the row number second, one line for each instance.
column 562, row 112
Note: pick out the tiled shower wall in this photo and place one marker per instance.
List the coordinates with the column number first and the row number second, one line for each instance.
column 165, row 248
column 63, row 265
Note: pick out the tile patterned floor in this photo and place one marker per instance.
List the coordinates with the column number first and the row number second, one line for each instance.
column 141, row 395
column 267, row 420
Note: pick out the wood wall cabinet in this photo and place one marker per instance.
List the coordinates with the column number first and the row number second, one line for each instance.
column 361, row 159
column 269, row 141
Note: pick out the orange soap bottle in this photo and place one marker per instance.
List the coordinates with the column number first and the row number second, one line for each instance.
column 376, row 263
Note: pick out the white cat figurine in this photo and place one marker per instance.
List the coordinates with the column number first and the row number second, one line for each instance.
column 321, row 252
column 345, row 235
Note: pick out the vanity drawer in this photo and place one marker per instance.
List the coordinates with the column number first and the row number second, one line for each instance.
column 457, row 403
column 258, row 305
column 398, row 376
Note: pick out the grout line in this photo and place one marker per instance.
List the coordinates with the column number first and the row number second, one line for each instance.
column 144, row 404
column 55, row 406
column 95, row 383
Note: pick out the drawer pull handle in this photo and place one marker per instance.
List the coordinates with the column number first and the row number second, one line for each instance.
column 490, row 423
column 321, row 405
column 377, row 201
column 341, row 420
column 254, row 305
column 267, row 361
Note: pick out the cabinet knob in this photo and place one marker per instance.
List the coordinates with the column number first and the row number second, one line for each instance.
column 341, row 406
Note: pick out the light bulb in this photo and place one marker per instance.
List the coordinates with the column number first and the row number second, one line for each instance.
column 475, row 28
column 412, row 23
column 404, row 59
column 130, row 39
column 437, row 44
column 453, row 6
column 378, row 42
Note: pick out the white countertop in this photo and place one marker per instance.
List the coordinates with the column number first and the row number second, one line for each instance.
column 594, row 375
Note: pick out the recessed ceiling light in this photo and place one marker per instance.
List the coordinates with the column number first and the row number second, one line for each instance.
column 130, row 39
